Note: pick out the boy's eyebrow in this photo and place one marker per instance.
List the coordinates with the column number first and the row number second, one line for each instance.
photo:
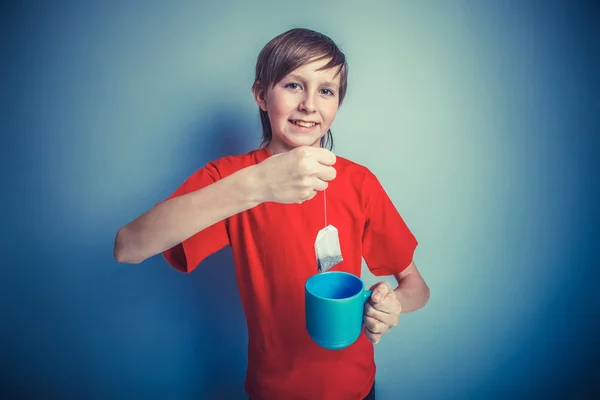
column 299, row 78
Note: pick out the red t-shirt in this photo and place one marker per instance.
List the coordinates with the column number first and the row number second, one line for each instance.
column 274, row 255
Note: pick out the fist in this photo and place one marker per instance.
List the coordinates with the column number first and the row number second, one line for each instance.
column 381, row 312
column 297, row 175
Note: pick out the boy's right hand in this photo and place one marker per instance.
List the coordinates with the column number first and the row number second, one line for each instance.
column 296, row 175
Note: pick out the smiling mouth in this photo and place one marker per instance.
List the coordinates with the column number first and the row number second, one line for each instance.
column 304, row 124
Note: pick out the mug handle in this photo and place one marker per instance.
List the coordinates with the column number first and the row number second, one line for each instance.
column 367, row 295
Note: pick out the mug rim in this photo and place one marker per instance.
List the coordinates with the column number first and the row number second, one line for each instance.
column 362, row 290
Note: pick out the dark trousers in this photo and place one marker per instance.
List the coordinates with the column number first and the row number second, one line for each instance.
column 371, row 395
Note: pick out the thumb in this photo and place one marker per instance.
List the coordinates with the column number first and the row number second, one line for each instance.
column 380, row 290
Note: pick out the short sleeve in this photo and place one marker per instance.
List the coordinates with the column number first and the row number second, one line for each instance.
column 388, row 244
column 186, row 256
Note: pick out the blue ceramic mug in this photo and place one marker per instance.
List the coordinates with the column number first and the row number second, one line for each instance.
column 334, row 308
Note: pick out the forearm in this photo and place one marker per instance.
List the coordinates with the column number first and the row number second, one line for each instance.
column 412, row 292
column 175, row 220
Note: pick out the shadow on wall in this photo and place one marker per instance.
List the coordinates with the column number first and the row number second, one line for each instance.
column 223, row 131
column 213, row 287
column 81, row 325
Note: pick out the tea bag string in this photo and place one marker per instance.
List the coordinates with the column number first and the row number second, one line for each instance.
column 325, row 205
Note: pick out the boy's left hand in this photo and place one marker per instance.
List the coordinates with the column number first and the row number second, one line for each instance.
column 382, row 311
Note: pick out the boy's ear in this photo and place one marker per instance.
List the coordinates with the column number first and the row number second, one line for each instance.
column 259, row 96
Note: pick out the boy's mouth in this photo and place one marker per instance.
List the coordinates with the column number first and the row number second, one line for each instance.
column 304, row 124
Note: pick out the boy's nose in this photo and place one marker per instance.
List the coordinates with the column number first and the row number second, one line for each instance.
column 308, row 104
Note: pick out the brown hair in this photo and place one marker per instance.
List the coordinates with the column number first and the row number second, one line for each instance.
column 288, row 51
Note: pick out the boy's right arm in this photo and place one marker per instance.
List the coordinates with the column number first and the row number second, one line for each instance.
column 172, row 221
column 292, row 177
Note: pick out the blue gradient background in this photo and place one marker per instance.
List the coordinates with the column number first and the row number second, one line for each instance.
column 481, row 119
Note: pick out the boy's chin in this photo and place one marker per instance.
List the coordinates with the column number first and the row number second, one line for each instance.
column 297, row 141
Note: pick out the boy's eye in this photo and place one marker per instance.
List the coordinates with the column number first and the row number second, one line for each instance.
column 327, row 92
column 292, row 86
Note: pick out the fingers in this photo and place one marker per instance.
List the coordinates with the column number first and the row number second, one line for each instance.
column 319, row 184
column 324, row 156
column 374, row 329
column 373, row 337
column 313, row 194
column 389, row 305
column 316, row 161
column 378, row 322
column 388, row 318
column 313, row 171
column 308, row 196
column 376, row 326
column 325, row 173
column 384, row 299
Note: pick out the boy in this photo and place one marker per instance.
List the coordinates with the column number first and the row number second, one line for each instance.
column 268, row 205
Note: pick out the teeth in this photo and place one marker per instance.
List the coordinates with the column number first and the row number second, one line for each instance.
column 304, row 124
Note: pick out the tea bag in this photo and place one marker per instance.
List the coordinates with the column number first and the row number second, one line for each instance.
column 327, row 244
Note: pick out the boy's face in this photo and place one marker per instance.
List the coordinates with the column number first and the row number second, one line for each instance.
column 302, row 106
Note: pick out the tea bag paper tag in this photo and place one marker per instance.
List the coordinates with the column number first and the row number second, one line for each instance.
column 327, row 248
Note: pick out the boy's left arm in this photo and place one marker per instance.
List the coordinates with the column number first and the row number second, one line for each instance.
column 383, row 309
